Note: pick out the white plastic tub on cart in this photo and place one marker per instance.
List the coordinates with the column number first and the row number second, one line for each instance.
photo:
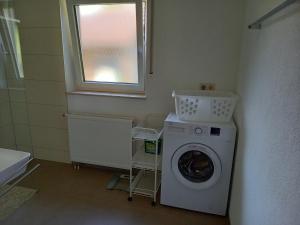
column 12, row 164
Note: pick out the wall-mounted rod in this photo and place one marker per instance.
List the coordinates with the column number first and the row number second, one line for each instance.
column 257, row 23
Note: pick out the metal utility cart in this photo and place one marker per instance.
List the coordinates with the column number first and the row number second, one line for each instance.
column 147, row 181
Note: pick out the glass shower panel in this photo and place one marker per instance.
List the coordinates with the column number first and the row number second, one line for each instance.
column 14, row 120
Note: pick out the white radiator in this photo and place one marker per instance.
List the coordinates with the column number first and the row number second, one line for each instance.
column 100, row 140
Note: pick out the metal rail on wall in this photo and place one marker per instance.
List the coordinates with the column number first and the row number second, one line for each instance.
column 258, row 23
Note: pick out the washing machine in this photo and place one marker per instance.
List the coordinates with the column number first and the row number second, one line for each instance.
column 196, row 165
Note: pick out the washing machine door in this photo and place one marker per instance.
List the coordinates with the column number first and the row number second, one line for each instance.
column 196, row 166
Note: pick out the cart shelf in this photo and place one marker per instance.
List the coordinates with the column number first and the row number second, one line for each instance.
column 141, row 133
column 143, row 184
column 143, row 160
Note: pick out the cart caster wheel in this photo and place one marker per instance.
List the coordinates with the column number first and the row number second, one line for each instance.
column 130, row 199
column 153, row 203
column 76, row 167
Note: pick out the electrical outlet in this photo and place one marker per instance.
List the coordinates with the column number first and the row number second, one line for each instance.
column 207, row 86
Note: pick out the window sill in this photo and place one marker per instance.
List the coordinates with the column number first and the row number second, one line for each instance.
column 108, row 94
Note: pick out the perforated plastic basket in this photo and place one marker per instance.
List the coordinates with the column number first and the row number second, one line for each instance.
column 206, row 106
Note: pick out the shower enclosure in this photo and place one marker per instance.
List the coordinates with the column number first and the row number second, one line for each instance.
column 14, row 119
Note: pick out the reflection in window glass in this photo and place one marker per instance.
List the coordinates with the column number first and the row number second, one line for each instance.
column 108, row 39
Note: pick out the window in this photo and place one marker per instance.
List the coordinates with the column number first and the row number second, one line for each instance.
column 109, row 40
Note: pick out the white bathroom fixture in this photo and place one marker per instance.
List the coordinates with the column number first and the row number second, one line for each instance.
column 196, row 164
column 13, row 168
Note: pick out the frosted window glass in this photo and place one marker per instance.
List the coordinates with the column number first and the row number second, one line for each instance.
column 108, row 40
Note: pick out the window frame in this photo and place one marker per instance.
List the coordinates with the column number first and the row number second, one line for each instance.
column 112, row 87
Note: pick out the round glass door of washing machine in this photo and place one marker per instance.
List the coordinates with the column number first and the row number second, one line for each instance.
column 196, row 166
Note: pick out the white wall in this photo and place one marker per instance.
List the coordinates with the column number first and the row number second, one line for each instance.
column 267, row 178
column 194, row 41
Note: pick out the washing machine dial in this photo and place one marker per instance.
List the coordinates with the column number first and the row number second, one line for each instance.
column 198, row 131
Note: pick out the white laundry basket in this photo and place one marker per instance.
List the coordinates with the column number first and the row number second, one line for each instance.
column 206, row 106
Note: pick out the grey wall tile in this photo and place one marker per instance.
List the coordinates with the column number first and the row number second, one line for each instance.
column 47, row 115
column 42, row 92
column 44, row 67
column 41, row 41
column 46, row 137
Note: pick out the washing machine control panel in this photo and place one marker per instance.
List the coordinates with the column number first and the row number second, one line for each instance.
column 199, row 130
column 195, row 130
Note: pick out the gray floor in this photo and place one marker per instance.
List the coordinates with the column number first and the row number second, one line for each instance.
column 79, row 197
